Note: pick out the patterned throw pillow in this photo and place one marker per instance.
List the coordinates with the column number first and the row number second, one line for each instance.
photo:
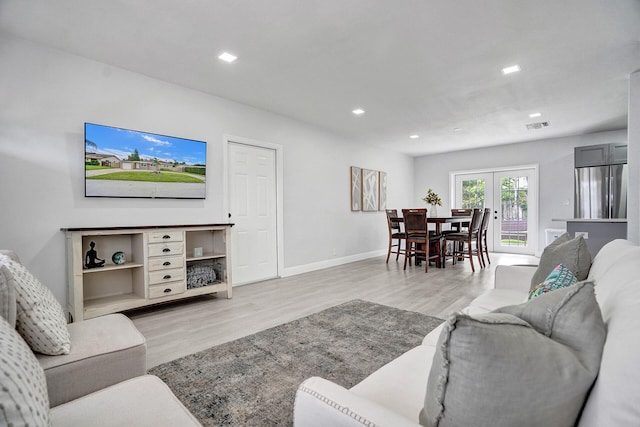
column 560, row 277
column 40, row 318
column 7, row 297
column 23, row 395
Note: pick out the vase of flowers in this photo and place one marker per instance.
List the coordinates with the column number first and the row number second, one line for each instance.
column 432, row 199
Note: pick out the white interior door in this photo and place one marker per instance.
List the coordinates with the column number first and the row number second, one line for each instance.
column 253, row 210
column 512, row 196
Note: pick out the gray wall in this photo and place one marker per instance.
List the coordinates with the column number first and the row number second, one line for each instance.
column 47, row 96
column 553, row 156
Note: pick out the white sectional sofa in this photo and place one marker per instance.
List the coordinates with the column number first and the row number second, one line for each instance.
column 394, row 395
column 102, row 380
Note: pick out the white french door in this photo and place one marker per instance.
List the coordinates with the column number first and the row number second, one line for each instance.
column 253, row 210
column 513, row 198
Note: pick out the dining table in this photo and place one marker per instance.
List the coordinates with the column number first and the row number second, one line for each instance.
column 438, row 221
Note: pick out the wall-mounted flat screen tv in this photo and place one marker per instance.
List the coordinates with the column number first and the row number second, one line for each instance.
column 129, row 163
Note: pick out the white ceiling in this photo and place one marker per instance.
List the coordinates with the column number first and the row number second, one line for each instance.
column 416, row 66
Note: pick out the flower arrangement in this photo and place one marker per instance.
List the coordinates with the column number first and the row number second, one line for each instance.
column 432, row 198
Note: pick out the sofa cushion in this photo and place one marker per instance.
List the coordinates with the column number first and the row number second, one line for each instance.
column 617, row 275
column 616, row 392
column 528, row 365
column 23, row 391
column 573, row 253
column 39, row 318
column 606, row 257
column 104, row 351
column 142, row 402
column 494, row 298
column 400, row 385
column 559, row 278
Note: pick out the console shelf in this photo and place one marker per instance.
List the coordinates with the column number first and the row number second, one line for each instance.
column 162, row 264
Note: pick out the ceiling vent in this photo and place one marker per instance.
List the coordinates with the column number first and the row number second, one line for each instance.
column 537, row 125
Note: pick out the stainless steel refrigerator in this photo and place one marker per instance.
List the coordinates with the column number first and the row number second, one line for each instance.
column 601, row 191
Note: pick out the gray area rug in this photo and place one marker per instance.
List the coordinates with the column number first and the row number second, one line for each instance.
column 252, row 381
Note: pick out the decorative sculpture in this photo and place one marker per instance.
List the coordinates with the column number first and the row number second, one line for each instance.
column 91, row 259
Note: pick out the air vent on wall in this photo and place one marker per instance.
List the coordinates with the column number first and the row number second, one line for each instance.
column 537, row 125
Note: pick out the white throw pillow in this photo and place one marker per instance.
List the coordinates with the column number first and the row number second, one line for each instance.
column 23, row 391
column 40, row 318
column 7, row 297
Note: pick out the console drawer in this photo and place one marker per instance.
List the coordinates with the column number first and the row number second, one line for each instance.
column 165, row 236
column 163, row 290
column 159, row 249
column 165, row 276
column 165, row 263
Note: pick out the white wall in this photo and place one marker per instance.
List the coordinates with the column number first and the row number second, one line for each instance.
column 47, row 96
column 555, row 160
column 633, row 232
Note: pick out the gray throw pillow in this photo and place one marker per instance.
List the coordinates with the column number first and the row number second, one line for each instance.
column 527, row 365
column 573, row 253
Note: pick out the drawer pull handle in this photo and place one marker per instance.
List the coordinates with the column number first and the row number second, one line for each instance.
column 167, row 276
column 166, row 263
column 166, row 236
column 165, row 250
column 166, row 291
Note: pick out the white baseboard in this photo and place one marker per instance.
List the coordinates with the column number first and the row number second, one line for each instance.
column 306, row 268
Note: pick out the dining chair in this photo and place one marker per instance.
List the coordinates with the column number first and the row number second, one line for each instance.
column 469, row 239
column 395, row 234
column 482, row 236
column 417, row 238
column 458, row 227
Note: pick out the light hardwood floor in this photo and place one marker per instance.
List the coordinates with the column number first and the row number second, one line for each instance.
column 178, row 329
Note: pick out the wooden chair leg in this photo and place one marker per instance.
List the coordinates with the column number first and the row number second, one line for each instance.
column 473, row 269
column 426, row 254
column 486, row 248
column 389, row 251
column 407, row 253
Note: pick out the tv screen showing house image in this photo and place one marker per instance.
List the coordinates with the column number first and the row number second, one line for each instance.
column 129, row 163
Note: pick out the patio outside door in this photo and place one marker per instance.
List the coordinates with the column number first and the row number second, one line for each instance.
column 512, row 196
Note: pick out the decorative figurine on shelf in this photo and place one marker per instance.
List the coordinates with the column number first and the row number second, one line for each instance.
column 91, row 259
column 118, row 258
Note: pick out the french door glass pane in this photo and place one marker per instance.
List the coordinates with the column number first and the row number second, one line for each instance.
column 473, row 194
column 514, row 192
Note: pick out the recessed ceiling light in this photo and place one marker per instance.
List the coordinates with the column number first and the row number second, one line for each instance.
column 457, row 129
column 358, row 111
column 511, row 69
column 226, row 56
column 414, row 136
column 533, row 115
